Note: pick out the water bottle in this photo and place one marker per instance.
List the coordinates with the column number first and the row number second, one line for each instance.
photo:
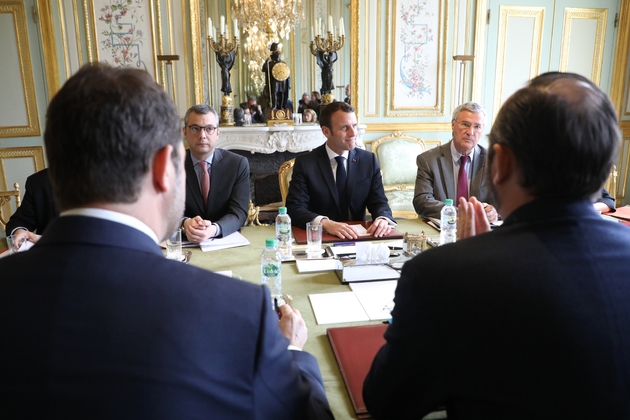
column 448, row 223
column 271, row 268
column 283, row 233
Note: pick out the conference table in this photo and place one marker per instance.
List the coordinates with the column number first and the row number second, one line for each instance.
column 244, row 262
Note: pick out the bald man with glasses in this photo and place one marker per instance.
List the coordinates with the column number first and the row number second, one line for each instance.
column 217, row 181
column 457, row 168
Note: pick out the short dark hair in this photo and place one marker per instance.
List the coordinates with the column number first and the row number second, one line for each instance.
column 328, row 110
column 238, row 113
column 200, row 109
column 103, row 128
column 564, row 134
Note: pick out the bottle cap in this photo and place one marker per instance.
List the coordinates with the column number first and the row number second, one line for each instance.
column 448, row 201
column 282, row 210
column 270, row 242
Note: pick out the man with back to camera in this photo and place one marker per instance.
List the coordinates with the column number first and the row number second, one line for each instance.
column 530, row 320
column 325, row 192
column 217, row 180
column 96, row 323
column 440, row 171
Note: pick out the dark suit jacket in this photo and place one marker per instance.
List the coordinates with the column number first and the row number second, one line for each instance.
column 97, row 324
column 529, row 321
column 38, row 206
column 313, row 192
column 435, row 181
column 229, row 191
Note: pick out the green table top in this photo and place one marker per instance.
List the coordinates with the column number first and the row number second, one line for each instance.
column 245, row 262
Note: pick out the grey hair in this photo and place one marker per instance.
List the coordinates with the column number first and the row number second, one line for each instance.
column 473, row 107
column 201, row 109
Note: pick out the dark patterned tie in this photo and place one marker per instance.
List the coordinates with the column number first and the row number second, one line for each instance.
column 205, row 181
column 342, row 191
column 462, row 180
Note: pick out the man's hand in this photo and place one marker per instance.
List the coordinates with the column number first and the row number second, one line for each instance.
column 292, row 326
column 22, row 235
column 380, row 227
column 491, row 212
column 198, row 230
column 471, row 219
column 342, row 230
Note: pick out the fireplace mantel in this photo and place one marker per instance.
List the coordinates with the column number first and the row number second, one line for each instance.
column 263, row 139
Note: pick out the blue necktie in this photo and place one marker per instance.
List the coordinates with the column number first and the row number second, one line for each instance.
column 342, row 191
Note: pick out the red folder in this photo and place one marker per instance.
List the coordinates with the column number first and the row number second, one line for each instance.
column 355, row 348
column 300, row 235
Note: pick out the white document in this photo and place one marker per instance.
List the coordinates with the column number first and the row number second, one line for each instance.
column 376, row 298
column 230, row 241
column 361, row 231
column 310, row 266
column 335, row 308
column 368, row 272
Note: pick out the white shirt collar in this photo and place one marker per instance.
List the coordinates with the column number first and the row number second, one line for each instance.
column 113, row 216
column 456, row 155
column 196, row 161
column 332, row 155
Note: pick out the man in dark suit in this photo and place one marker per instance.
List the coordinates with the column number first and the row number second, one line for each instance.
column 530, row 320
column 37, row 210
column 96, row 323
column 219, row 207
column 439, row 168
column 317, row 192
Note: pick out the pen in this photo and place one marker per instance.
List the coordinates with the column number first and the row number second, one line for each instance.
column 344, row 243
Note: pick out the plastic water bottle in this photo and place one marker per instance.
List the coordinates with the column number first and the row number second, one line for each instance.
column 283, row 233
column 448, row 223
column 271, row 268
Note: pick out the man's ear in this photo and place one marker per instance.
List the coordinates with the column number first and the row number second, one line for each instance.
column 503, row 164
column 160, row 169
column 326, row 131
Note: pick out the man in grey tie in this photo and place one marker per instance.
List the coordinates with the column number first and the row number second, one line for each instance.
column 442, row 173
column 217, row 181
column 336, row 182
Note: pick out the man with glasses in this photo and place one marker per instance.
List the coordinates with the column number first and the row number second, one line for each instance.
column 455, row 169
column 217, row 181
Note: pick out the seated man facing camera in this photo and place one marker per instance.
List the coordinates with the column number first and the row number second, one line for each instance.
column 336, row 182
column 530, row 320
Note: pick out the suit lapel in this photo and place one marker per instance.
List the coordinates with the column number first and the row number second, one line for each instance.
column 353, row 169
column 324, row 166
column 216, row 170
column 445, row 166
column 479, row 162
column 193, row 184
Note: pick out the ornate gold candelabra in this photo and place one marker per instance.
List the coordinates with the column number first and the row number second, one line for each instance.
column 224, row 48
column 325, row 50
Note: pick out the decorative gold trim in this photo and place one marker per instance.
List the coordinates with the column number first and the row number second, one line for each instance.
column 160, row 76
column 623, row 162
column 410, row 127
column 441, row 73
column 64, row 39
column 195, row 31
column 619, row 84
column 49, row 49
column 90, row 32
column 16, row 9
column 187, row 74
column 35, row 152
column 600, row 16
column 77, row 32
column 354, row 50
column 506, row 12
column 479, row 51
column 377, row 75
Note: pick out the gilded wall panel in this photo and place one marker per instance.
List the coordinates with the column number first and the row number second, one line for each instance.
column 583, row 42
column 371, row 91
column 416, row 57
column 18, row 109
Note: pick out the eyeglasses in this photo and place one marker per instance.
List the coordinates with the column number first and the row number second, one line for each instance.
column 195, row 129
column 464, row 125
